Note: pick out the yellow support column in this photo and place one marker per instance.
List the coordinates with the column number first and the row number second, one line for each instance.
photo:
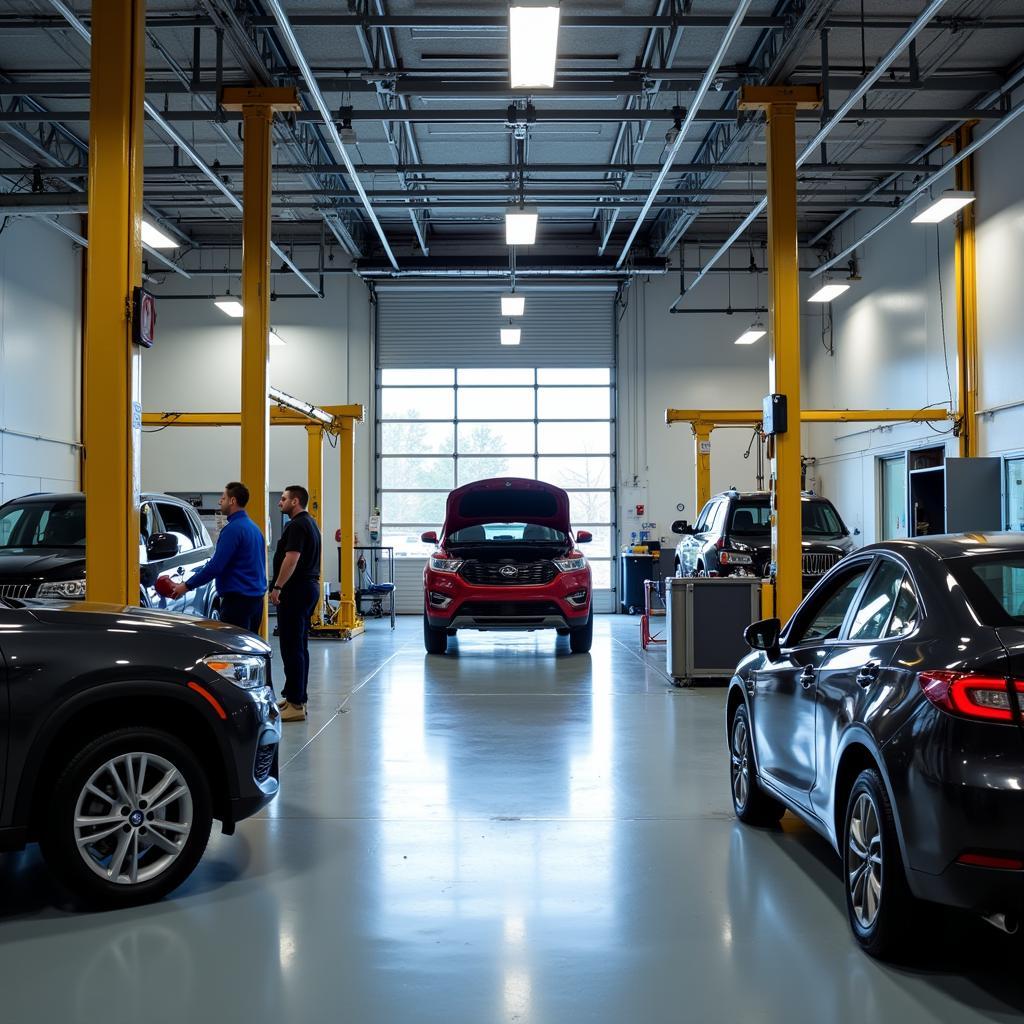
column 702, row 458
column 315, row 486
column 349, row 620
column 966, row 273
column 111, row 364
column 257, row 107
column 780, row 105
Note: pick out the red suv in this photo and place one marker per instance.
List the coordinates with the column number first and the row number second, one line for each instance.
column 507, row 560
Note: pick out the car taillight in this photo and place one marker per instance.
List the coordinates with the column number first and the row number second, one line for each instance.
column 971, row 695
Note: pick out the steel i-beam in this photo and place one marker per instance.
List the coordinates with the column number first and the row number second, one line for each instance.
column 112, row 414
column 966, row 272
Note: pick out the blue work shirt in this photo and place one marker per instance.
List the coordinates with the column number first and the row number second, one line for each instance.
column 239, row 565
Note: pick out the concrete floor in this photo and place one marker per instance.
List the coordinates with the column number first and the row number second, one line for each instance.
column 509, row 833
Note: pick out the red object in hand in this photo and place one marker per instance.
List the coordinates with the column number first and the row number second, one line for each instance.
column 164, row 586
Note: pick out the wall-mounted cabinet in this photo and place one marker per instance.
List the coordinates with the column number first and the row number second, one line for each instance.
column 952, row 495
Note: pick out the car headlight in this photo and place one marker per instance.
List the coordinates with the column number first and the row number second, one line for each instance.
column 445, row 564
column 243, row 670
column 569, row 564
column 72, row 589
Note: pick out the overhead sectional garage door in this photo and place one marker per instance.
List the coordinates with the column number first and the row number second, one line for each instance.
column 454, row 405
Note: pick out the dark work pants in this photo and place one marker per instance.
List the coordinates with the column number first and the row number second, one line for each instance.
column 298, row 600
column 242, row 610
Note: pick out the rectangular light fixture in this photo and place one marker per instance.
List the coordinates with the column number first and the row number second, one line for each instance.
column 276, row 339
column 230, row 305
column 827, row 292
column 155, row 238
column 945, row 206
column 533, row 46
column 749, row 337
column 510, row 335
column 521, row 226
column 513, row 305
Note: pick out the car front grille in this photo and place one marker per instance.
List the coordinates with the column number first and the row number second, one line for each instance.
column 266, row 756
column 818, row 563
column 490, row 574
column 509, row 609
column 16, row 590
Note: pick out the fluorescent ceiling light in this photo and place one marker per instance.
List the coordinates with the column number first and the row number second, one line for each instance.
column 533, row 46
column 521, row 226
column 156, row 239
column 827, row 292
column 945, row 206
column 230, row 305
column 510, row 335
column 275, row 338
column 755, row 333
column 513, row 305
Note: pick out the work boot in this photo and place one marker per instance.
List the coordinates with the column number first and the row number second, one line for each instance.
column 293, row 712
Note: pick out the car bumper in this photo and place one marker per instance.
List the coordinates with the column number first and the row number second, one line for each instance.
column 469, row 606
column 254, row 736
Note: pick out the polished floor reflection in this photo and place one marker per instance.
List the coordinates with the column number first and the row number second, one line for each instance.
column 509, row 833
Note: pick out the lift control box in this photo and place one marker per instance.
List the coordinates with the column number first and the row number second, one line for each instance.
column 774, row 414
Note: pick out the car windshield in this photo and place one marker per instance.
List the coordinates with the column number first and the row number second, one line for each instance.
column 504, row 533
column 43, row 524
column 750, row 518
column 994, row 586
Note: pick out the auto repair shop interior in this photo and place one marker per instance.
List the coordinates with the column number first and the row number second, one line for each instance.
column 653, row 374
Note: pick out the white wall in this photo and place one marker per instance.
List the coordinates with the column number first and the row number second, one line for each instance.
column 40, row 359
column 896, row 344
column 683, row 361
column 195, row 366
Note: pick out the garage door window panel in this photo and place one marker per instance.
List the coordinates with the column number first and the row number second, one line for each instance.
column 493, row 438
column 401, row 507
column 574, row 403
column 571, row 473
column 472, row 468
column 417, row 438
column 417, row 403
column 482, row 403
column 409, row 472
column 573, row 437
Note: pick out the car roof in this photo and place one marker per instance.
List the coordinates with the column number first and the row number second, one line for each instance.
column 955, row 545
column 761, row 495
column 47, row 496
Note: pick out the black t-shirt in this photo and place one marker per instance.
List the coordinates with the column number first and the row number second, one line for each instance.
column 302, row 535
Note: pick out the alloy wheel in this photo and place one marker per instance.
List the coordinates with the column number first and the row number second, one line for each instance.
column 740, row 762
column 133, row 818
column 864, row 865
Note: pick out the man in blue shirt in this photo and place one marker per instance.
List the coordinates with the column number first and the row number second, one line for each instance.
column 239, row 565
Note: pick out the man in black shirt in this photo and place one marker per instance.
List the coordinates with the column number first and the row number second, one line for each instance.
column 295, row 590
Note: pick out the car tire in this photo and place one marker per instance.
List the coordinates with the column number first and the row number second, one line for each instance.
column 434, row 640
column 581, row 638
column 155, row 758
column 752, row 805
column 214, row 615
column 879, row 903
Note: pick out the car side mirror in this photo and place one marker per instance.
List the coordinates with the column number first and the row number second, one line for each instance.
column 161, row 546
column 430, row 537
column 681, row 526
column 764, row 636
column 584, row 536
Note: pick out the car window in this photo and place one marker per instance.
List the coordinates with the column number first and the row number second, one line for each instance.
column 750, row 518
column 994, row 585
column 702, row 519
column 877, row 601
column 906, row 612
column 176, row 522
column 38, row 524
column 819, row 519
column 199, row 531
column 826, row 617
column 718, row 522
column 8, row 520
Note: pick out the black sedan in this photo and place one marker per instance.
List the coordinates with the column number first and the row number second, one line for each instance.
column 888, row 715
column 123, row 733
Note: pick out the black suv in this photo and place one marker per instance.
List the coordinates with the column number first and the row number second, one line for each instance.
column 732, row 536
column 42, row 550
column 123, row 733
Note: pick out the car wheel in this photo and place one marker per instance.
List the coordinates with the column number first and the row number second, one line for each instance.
column 434, row 640
column 214, row 612
column 129, row 818
column 581, row 638
column 878, row 900
column 753, row 806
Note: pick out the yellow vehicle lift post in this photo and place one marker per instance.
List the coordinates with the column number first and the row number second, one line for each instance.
column 257, row 106
column 966, row 273
column 334, row 420
column 780, row 104
column 111, row 362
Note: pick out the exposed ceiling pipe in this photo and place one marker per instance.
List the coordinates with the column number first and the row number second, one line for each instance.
column 702, row 90
column 826, row 129
column 154, row 115
column 321, row 104
column 921, row 188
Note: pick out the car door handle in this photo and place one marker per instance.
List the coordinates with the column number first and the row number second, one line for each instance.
column 807, row 677
column 868, row 674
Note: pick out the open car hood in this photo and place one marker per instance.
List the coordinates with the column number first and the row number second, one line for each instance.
column 507, row 499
